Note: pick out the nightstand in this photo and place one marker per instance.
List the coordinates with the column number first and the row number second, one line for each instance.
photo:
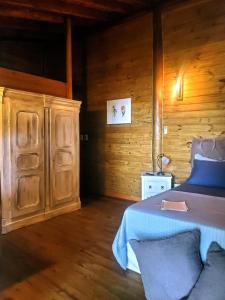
column 153, row 184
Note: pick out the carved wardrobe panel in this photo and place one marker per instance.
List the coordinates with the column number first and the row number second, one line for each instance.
column 39, row 157
column 26, row 125
column 64, row 147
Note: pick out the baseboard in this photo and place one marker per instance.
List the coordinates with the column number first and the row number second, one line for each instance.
column 122, row 196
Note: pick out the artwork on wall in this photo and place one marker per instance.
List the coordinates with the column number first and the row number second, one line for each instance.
column 119, row 111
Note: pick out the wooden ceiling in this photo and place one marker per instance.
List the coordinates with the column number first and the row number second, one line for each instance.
column 83, row 12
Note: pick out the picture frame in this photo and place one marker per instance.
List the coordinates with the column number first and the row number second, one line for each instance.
column 119, row 111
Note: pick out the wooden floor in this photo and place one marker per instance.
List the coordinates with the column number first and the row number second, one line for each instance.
column 68, row 257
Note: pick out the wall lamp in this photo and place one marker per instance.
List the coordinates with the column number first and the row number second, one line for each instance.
column 178, row 88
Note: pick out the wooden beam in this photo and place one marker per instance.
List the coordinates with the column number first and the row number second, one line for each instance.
column 102, row 5
column 29, row 14
column 27, row 82
column 69, row 74
column 177, row 5
column 59, row 7
column 135, row 2
column 157, row 86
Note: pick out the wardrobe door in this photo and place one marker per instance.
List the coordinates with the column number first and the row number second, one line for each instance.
column 64, row 155
column 27, row 155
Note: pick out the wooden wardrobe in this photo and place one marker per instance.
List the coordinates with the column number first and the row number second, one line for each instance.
column 39, row 157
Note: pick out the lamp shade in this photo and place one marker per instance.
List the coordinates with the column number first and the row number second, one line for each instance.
column 165, row 160
column 162, row 160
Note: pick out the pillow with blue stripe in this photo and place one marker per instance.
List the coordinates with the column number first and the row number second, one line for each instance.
column 202, row 157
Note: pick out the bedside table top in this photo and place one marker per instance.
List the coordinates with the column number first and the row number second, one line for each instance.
column 149, row 173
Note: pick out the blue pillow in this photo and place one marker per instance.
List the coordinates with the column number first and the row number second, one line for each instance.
column 208, row 173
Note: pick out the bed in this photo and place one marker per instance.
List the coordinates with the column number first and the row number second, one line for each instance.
column 145, row 219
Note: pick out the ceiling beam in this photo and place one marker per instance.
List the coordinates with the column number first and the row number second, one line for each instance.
column 137, row 5
column 59, row 7
column 135, row 2
column 29, row 14
column 102, row 5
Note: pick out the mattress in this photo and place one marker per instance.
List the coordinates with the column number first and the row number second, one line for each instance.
column 145, row 220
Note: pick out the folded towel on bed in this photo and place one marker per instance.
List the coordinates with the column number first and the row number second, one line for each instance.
column 174, row 205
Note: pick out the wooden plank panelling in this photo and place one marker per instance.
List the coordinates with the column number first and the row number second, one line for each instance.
column 32, row 83
column 194, row 45
column 29, row 14
column 41, row 53
column 119, row 65
column 85, row 13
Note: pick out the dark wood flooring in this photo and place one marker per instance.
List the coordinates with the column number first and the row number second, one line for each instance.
column 68, row 257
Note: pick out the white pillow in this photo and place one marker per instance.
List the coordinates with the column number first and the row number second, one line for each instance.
column 201, row 157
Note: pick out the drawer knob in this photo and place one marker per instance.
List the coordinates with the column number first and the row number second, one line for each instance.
column 162, row 187
column 150, row 187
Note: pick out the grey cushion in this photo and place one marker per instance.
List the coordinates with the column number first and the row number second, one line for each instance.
column 169, row 267
column 211, row 283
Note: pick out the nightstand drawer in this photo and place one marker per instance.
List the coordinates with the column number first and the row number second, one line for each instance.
column 155, row 184
column 158, row 186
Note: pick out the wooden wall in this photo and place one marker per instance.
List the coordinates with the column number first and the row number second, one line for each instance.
column 36, row 57
column 119, row 65
column 43, row 57
column 194, row 46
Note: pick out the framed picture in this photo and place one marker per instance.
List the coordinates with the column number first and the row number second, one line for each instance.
column 119, row 111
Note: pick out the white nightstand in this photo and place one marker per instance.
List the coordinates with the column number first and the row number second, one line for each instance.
column 153, row 184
